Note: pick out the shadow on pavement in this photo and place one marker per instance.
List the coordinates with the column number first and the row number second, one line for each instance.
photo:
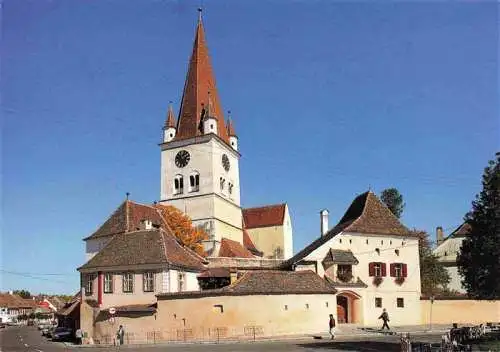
column 361, row 346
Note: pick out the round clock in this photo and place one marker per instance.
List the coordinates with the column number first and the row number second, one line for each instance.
column 225, row 162
column 182, row 158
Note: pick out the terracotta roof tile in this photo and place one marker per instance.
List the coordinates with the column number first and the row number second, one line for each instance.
column 170, row 122
column 270, row 215
column 265, row 282
column 230, row 248
column 145, row 247
column 338, row 256
column 215, row 272
column 14, row 301
column 200, row 81
column 127, row 218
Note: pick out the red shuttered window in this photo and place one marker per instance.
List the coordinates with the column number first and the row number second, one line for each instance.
column 371, row 269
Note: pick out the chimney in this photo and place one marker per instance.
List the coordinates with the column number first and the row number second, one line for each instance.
column 324, row 221
column 439, row 235
column 146, row 224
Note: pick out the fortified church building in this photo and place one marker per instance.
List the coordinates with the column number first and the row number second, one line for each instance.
column 136, row 266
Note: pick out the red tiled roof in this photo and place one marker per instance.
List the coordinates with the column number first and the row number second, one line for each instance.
column 155, row 246
column 127, row 218
column 270, row 215
column 200, row 81
column 14, row 301
column 215, row 272
column 230, row 248
column 230, row 129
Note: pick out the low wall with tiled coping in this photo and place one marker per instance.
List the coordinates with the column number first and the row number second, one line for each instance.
column 460, row 311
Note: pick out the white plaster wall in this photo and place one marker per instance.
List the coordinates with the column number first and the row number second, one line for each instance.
column 449, row 249
column 388, row 289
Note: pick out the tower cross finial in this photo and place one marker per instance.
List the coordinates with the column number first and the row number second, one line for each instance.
column 200, row 10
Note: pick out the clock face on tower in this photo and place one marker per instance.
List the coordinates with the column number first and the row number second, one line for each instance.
column 225, row 162
column 182, row 158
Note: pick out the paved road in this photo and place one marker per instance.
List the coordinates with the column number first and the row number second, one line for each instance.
column 28, row 339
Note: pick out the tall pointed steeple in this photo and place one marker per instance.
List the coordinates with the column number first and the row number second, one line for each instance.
column 200, row 80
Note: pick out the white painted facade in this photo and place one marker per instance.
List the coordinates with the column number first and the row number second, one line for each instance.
column 165, row 281
column 215, row 205
column 363, row 247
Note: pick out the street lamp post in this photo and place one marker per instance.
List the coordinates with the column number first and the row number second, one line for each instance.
column 430, row 319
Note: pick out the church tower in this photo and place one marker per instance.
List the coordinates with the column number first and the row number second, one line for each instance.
column 199, row 155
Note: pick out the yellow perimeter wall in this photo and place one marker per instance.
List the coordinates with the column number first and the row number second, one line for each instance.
column 460, row 312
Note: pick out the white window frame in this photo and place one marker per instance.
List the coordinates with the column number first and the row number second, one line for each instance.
column 108, row 283
column 128, row 282
column 194, row 182
column 181, row 280
column 178, row 184
column 398, row 270
column 89, row 284
column 148, row 281
column 377, row 269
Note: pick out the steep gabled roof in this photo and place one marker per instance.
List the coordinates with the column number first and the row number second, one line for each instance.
column 200, row 82
column 127, row 218
column 369, row 215
column 366, row 214
column 142, row 248
column 269, row 215
column 338, row 256
column 14, row 301
column 233, row 249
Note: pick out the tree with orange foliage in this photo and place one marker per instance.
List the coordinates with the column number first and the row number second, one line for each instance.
column 182, row 228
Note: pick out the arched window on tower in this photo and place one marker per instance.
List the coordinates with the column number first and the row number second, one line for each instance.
column 222, row 182
column 178, row 184
column 194, row 182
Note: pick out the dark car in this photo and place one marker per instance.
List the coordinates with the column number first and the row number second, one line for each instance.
column 62, row 334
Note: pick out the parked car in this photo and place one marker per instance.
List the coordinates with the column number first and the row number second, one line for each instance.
column 62, row 334
column 47, row 331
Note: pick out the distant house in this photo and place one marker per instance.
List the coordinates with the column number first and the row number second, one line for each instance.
column 69, row 314
column 447, row 251
column 12, row 306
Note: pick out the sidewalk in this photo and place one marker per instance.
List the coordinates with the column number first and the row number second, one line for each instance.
column 344, row 331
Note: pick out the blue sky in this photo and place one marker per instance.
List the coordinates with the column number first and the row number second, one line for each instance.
column 328, row 98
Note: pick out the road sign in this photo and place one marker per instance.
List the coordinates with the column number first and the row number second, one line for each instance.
column 112, row 310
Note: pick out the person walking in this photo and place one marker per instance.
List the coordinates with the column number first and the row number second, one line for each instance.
column 119, row 335
column 385, row 317
column 78, row 335
column 332, row 326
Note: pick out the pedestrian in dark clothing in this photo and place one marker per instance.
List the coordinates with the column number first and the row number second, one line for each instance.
column 332, row 326
column 385, row 317
column 119, row 335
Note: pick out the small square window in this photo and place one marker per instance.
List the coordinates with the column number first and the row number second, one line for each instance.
column 350, row 241
column 390, row 242
column 286, row 307
column 340, row 240
column 307, row 305
column 326, row 303
column 378, row 302
column 366, row 241
column 382, row 242
column 400, row 302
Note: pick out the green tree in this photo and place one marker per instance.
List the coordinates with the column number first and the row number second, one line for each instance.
column 22, row 293
column 433, row 275
column 478, row 261
column 393, row 200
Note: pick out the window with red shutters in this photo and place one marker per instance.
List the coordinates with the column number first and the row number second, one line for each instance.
column 384, row 269
column 392, row 269
column 371, row 269
column 405, row 270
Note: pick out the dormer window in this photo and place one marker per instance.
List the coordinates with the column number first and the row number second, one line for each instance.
column 178, row 184
column 194, row 182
